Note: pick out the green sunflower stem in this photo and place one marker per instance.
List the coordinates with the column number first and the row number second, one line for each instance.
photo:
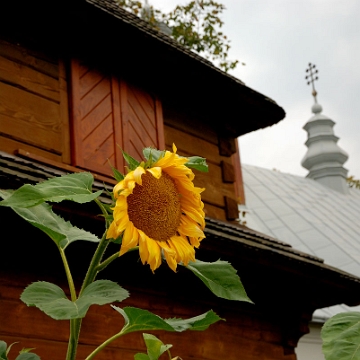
column 103, row 345
column 111, row 258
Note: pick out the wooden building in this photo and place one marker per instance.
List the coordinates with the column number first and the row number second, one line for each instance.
column 79, row 81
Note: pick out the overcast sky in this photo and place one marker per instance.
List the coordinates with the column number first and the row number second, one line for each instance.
column 277, row 39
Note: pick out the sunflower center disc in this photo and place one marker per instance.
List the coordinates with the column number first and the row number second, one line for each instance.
column 154, row 207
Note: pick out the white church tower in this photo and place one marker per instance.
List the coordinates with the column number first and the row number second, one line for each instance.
column 324, row 158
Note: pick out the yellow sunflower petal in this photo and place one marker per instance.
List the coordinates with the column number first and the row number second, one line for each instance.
column 155, row 171
column 138, row 172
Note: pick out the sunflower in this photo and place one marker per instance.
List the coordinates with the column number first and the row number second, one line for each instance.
column 159, row 209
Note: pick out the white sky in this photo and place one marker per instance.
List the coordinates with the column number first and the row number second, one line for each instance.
column 277, row 39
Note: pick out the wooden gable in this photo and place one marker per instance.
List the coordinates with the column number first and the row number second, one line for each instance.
column 109, row 115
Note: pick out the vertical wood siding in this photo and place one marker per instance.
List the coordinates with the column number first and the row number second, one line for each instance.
column 108, row 116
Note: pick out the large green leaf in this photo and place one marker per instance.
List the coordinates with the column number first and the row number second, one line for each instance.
column 143, row 320
column 52, row 300
column 155, row 348
column 60, row 231
column 221, row 278
column 198, row 323
column 341, row 337
column 75, row 187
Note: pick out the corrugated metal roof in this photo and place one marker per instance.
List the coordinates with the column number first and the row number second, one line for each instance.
column 309, row 216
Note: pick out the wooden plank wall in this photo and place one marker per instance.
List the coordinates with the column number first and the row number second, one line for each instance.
column 244, row 335
column 33, row 103
column 221, row 194
column 110, row 115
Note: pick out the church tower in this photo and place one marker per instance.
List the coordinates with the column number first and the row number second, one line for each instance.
column 324, row 158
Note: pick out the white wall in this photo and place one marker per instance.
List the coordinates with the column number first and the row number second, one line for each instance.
column 309, row 346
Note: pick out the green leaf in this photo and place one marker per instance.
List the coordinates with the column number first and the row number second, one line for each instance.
column 198, row 323
column 221, row 278
column 143, row 320
column 341, row 337
column 52, row 300
column 133, row 164
column 117, row 174
column 28, row 356
column 3, row 353
column 75, row 187
column 140, row 356
column 60, row 231
column 155, row 347
column 198, row 163
column 152, row 155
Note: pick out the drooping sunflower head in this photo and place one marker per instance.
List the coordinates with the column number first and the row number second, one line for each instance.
column 159, row 209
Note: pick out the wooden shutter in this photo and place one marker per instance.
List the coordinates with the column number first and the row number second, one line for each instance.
column 108, row 116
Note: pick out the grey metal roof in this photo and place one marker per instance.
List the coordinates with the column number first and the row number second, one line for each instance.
column 309, row 216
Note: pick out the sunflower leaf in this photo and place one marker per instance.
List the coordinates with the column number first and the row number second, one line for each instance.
column 221, row 278
column 133, row 163
column 155, row 347
column 139, row 356
column 3, row 352
column 198, row 323
column 152, row 155
column 60, row 231
column 341, row 336
column 75, row 187
column 52, row 300
column 117, row 174
column 27, row 356
column 143, row 320
column 197, row 163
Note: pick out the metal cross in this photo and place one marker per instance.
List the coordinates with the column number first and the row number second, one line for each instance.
column 312, row 72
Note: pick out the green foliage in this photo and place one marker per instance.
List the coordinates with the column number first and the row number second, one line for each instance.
column 75, row 187
column 24, row 354
column 52, row 300
column 155, row 348
column 143, row 320
column 198, row 163
column 133, row 164
column 196, row 26
column 341, row 337
column 221, row 278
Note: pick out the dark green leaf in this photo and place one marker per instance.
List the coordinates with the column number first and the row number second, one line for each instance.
column 341, row 337
column 143, row 320
column 221, row 278
column 133, row 164
column 60, row 231
column 75, row 187
column 198, row 323
column 3, row 346
column 198, row 163
column 155, row 347
column 28, row 356
column 140, row 356
column 52, row 300
column 117, row 174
